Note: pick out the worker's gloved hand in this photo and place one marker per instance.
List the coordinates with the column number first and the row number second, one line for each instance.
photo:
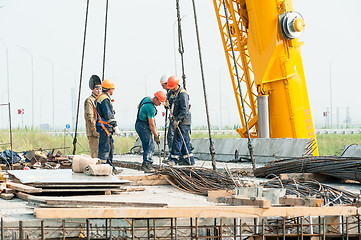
column 176, row 123
column 116, row 131
column 157, row 139
column 166, row 104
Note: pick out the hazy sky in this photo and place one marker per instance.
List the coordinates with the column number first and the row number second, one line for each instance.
column 140, row 49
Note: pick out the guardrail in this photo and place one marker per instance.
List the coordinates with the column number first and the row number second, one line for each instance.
column 220, row 132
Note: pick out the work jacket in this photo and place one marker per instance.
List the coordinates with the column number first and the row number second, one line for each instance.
column 179, row 105
column 90, row 118
column 105, row 111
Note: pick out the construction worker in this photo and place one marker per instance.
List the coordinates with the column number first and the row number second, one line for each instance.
column 106, row 124
column 178, row 103
column 163, row 82
column 90, row 118
column 145, row 126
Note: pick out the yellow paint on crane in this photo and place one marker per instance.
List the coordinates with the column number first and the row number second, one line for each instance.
column 271, row 64
column 278, row 68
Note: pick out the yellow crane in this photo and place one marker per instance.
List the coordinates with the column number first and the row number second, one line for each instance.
column 263, row 35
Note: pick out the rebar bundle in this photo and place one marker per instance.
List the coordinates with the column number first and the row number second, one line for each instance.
column 312, row 188
column 340, row 167
column 196, row 180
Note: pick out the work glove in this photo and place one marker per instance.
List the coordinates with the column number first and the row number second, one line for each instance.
column 176, row 123
column 116, row 131
column 166, row 104
column 157, row 139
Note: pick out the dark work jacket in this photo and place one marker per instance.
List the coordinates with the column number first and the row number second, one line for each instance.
column 105, row 109
column 179, row 103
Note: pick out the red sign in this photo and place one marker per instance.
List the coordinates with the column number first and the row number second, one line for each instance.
column 21, row 111
column 325, row 114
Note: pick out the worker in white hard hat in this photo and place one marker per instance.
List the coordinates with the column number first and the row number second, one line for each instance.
column 163, row 82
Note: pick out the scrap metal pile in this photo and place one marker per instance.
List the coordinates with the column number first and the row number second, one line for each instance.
column 340, row 167
column 312, row 188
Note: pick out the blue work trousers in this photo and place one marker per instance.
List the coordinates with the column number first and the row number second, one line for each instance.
column 178, row 146
column 170, row 135
column 106, row 147
column 145, row 135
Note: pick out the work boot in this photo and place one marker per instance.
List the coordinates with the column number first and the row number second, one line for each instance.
column 165, row 161
column 117, row 171
column 172, row 163
column 148, row 168
column 184, row 163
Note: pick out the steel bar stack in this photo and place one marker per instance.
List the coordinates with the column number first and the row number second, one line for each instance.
column 196, row 180
column 340, row 167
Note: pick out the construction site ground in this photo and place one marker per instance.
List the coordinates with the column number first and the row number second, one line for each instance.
column 16, row 210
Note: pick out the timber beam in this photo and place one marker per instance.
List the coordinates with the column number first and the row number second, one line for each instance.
column 195, row 211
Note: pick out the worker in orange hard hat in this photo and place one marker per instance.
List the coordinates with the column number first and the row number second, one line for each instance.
column 178, row 103
column 106, row 124
column 90, row 117
column 145, row 127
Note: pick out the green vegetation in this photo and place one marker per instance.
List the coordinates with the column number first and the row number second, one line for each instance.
column 24, row 139
column 333, row 144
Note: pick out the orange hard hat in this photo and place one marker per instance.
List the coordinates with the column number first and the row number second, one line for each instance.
column 173, row 81
column 108, row 84
column 160, row 96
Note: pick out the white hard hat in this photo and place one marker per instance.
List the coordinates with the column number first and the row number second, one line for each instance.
column 164, row 78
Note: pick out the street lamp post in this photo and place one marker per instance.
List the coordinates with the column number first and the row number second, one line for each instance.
column 7, row 67
column 331, row 87
column 40, row 108
column 52, row 88
column 220, row 97
column 32, row 84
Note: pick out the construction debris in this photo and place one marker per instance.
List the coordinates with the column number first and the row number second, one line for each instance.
column 311, row 188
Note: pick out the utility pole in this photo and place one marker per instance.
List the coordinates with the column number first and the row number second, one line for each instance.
column 32, row 84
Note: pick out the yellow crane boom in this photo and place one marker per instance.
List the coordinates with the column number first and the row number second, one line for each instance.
column 265, row 39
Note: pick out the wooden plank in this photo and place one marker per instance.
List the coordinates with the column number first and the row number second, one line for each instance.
column 243, row 201
column 295, row 201
column 219, row 196
column 9, row 190
column 74, row 185
column 145, row 180
column 306, row 176
column 64, row 190
column 6, row 196
column 90, row 203
column 23, row 196
column 196, row 211
column 23, row 188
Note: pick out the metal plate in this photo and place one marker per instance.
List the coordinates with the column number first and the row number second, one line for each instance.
column 61, row 176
